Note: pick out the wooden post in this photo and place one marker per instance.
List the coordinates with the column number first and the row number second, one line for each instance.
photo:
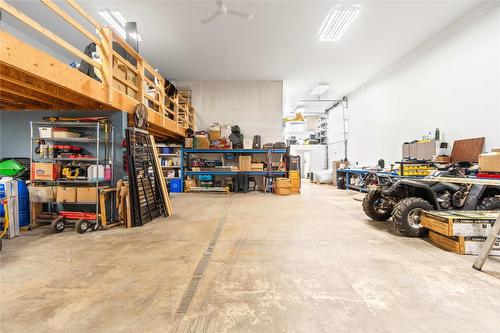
column 140, row 80
column 107, row 62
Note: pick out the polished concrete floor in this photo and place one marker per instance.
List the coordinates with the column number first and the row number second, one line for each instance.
column 308, row 263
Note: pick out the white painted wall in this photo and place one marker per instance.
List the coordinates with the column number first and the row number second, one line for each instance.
column 317, row 155
column 452, row 82
column 256, row 106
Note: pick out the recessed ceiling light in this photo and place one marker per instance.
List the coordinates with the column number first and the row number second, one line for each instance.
column 320, row 89
column 117, row 21
column 337, row 22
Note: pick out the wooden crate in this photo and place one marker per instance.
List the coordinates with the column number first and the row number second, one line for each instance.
column 463, row 245
column 459, row 223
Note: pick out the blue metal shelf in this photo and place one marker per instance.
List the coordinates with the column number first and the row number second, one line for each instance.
column 263, row 173
column 235, row 151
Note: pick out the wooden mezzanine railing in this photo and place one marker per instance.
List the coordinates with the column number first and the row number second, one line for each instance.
column 125, row 78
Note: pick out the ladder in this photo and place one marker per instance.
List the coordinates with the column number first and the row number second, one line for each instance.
column 487, row 246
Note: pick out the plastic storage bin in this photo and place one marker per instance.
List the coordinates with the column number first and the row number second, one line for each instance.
column 175, row 185
column 166, row 150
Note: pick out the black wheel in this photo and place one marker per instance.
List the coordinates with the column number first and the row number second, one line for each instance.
column 81, row 226
column 57, row 225
column 406, row 216
column 490, row 203
column 341, row 183
column 376, row 207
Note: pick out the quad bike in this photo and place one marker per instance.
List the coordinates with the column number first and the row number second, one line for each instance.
column 404, row 199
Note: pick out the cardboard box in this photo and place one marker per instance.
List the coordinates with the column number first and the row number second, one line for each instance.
column 282, row 186
column 86, row 194
column 214, row 134
column 295, row 182
column 283, row 191
column 294, row 190
column 66, row 194
column 190, row 182
column 245, row 163
column 257, row 166
column 201, row 142
column 490, row 161
column 188, row 143
column 463, row 245
column 42, row 193
column 44, row 171
column 442, row 159
column 459, row 223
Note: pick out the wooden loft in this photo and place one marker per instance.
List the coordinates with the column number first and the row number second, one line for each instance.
column 31, row 79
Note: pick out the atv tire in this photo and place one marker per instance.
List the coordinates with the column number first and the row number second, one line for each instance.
column 490, row 203
column 370, row 203
column 406, row 216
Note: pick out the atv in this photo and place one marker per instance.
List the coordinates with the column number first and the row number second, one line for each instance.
column 404, row 199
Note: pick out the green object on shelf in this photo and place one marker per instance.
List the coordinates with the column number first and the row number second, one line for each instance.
column 11, row 168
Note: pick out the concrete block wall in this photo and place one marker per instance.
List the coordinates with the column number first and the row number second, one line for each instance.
column 256, row 106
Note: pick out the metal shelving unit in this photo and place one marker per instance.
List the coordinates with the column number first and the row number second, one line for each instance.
column 166, row 157
column 99, row 137
column 186, row 163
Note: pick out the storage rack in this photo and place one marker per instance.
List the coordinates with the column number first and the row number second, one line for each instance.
column 322, row 128
column 186, row 164
column 166, row 157
column 100, row 136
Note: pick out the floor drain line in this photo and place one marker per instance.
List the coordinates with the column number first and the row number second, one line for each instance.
column 190, row 292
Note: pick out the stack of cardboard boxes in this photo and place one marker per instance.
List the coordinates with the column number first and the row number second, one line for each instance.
column 282, row 186
column 294, row 177
column 462, row 232
column 287, row 186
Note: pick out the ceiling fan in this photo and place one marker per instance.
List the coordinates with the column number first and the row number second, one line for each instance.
column 223, row 10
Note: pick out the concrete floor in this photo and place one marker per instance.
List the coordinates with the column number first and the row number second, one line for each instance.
column 308, row 263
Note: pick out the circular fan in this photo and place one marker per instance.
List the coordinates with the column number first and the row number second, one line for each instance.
column 140, row 115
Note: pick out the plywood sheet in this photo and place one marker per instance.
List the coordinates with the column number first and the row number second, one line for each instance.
column 467, row 150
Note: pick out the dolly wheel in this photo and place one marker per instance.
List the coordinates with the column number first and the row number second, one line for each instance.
column 57, row 225
column 81, row 226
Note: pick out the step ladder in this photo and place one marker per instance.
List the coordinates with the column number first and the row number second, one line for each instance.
column 488, row 245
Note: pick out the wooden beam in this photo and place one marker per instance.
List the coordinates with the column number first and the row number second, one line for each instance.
column 26, row 101
column 33, row 95
column 33, row 62
column 32, row 83
column 56, row 9
column 125, row 62
column 117, row 38
column 84, row 14
column 47, row 33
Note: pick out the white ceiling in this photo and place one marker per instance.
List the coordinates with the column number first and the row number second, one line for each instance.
column 278, row 44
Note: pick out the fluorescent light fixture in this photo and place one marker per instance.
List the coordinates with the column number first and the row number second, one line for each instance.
column 337, row 22
column 117, row 21
column 320, row 89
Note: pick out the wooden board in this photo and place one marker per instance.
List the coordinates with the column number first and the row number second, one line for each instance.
column 163, row 184
column 467, row 150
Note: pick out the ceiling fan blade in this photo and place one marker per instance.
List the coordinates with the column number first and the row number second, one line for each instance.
column 211, row 17
column 240, row 14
